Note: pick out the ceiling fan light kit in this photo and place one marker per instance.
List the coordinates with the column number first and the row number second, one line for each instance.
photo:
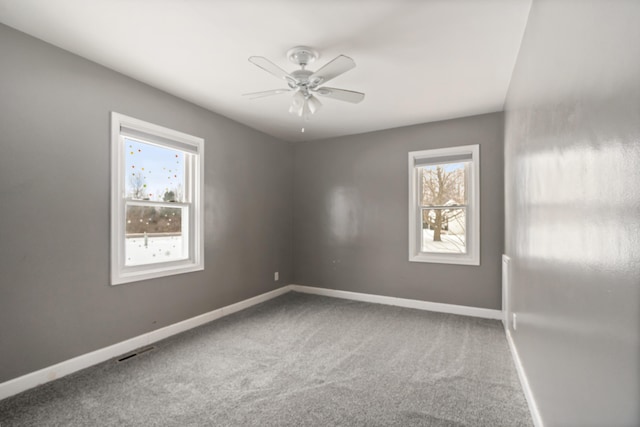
column 305, row 83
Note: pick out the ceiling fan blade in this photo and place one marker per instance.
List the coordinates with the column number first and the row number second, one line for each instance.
column 340, row 64
column 270, row 67
column 341, row 94
column 262, row 94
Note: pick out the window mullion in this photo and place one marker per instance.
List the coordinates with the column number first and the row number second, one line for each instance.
column 155, row 203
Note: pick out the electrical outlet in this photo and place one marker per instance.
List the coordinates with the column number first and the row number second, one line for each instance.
column 276, row 276
column 515, row 322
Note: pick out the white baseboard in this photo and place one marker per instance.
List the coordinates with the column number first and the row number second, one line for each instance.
column 33, row 379
column 506, row 291
column 485, row 313
column 524, row 382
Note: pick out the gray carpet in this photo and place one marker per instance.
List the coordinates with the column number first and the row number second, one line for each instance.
column 297, row 360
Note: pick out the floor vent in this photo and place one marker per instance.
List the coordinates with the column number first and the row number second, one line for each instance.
column 136, row 353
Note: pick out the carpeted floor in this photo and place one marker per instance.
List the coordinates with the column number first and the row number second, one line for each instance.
column 297, row 360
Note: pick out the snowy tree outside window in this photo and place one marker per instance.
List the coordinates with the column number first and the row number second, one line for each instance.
column 443, row 207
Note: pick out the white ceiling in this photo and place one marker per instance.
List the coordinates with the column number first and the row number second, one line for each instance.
column 417, row 60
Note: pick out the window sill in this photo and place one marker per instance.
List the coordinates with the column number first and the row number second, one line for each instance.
column 445, row 259
column 152, row 273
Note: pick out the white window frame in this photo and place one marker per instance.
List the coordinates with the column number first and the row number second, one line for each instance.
column 193, row 198
column 472, row 257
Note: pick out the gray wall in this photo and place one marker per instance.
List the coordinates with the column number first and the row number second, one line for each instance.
column 573, row 210
column 351, row 218
column 55, row 297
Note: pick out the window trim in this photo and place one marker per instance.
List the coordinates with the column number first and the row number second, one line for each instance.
column 472, row 257
column 194, row 190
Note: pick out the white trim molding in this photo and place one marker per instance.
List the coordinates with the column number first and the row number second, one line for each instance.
column 462, row 310
column 33, row 379
column 524, row 382
column 506, row 291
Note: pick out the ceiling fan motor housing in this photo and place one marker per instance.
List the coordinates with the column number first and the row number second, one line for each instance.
column 302, row 81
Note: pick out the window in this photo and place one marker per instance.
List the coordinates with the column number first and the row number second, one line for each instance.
column 444, row 205
column 156, row 201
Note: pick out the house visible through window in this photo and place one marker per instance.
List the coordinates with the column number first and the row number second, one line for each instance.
column 444, row 205
column 156, row 201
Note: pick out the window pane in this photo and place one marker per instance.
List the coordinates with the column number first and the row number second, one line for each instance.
column 443, row 184
column 155, row 234
column 153, row 173
column 444, row 230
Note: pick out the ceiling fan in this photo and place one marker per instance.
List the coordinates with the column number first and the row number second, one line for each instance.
column 306, row 84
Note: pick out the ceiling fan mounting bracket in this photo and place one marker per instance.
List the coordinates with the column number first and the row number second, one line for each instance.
column 302, row 55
